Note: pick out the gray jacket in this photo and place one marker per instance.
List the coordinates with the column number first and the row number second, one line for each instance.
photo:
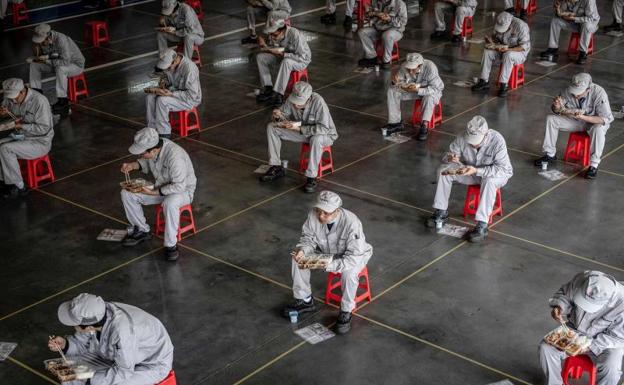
column 68, row 52
column 185, row 21
column 397, row 11
column 184, row 82
column 585, row 11
column 36, row 115
column 172, row 169
column 295, row 46
column 345, row 240
column 131, row 338
column 278, row 7
column 606, row 326
column 595, row 103
column 468, row 3
column 518, row 35
column 315, row 117
column 491, row 160
column 428, row 78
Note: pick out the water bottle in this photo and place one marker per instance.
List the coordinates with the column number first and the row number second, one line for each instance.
column 438, row 223
column 293, row 314
column 377, row 68
column 544, row 166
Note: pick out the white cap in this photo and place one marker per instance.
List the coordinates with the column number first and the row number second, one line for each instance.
column 595, row 292
column 12, row 87
column 273, row 25
column 144, row 139
column 168, row 6
column 413, row 60
column 503, row 21
column 300, row 94
column 580, row 82
column 328, row 201
column 41, row 32
column 166, row 59
column 85, row 309
column 475, row 130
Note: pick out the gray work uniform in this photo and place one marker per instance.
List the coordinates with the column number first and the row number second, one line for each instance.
column 346, row 241
column 273, row 9
column 187, row 93
column 37, row 127
column 389, row 32
column 189, row 30
column 512, row 4
column 317, row 129
column 4, row 4
column 135, row 341
column 493, row 171
column 349, row 5
column 605, row 327
column 175, row 179
column 585, row 21
column 430, row 91
column 297, row 56
column 70, row 62
column 595, row 103
column 618, row 6
column 461, row 9
column 517, row 35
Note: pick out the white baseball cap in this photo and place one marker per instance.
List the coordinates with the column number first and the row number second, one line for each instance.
column 328, row 201
column 413, row 60
column 595, row 292
column 12, row 87
column 168, row 6
column 144, row 139
column 273, row 25
column 476, row 130
column 503, row 21
column 580, row 82
column 300, row 94
column 41, row 32
column 85, row 309
column 166, row 59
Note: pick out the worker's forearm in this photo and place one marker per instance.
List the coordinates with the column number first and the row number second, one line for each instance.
column 592, row 119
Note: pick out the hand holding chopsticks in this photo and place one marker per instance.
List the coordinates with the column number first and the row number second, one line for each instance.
column 54, row 343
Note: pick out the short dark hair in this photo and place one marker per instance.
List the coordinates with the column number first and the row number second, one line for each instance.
column 97, row 324
column 158, row 145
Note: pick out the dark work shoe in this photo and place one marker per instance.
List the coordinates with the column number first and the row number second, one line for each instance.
column 523, row 15
column 136, row 237
column 544, row 159
column 438, row 215
column 276, row 100
column 172, row 253
column 310, row 185
column 478, row 233
column 481, row 85
column 347, row 22
column 613, row 27
column 273, row 173
column 300, row 306
column 329, row 18
column 438, row 35
column 343, row 324
column 60, row 106
column 551, row 54
column 502, row 91
column 250, row 40
column 423, row 133
column 591, row 173
column 364, row 62
column 582, row 58
column 456, row 39
column 391, row 128
column 265, row 95
column 13, row 192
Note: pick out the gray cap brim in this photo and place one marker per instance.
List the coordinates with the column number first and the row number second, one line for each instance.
column 576, row 90
column 411, row 66
column 589, row 307
column 135, row 149
column 64, row 315
column 474, row 139
column 167, row 11
column 501, row 28
column 297, row 100
column 12, row 94
column 326, row 207
column 38, row 39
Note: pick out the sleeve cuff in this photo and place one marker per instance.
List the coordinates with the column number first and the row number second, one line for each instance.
column 480, row 171
column 160, row 192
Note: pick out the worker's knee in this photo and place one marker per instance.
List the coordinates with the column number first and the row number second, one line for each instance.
column 126, row 195
column 316, row 141
column 598, row 129
column 507, row 58
column 546, row 350
column 551, row 120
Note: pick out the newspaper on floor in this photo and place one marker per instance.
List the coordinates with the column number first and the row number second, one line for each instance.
column 464, row 83
column 5, row 349
column 545, row 63
column 262, row 169
column 112, row 235
column 618, row 114
column 453, row 230
column 363, row 70
column 397, row 138
column 315, row 333
column 553, row 175
column 475, row 41
column 615, row 33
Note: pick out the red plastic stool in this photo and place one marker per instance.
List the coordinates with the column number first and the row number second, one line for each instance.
column 113, row 3
column 74, row 90
column 578, row 148
column 20, row 12
column 180, row 121
column 296, row 76
column 187, row 223
column 197, row 7
column 467, row 26
column 196, row 57
column 472, row 202
column 169, row 380
column 575, row 366
column 573, row 46
column 436, row 118
column 517, row 75
column 37, row 170
column 333, row 283
column 359, row 10
column 326, row 164
column 380, row 51
column 531, row 8
column 97, row 32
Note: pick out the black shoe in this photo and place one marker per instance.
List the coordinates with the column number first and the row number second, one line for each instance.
column 438, row 34
column 347, row 22
column 511, row 10
column 551, row 54
column 310, row 185
column 136, row 237
column 386, row 66
column 478, row 233
column 523, row 15
column 60, row 106
column 300, row 306
column 456, row 39
column 165, row 136
column 544, row 159
column 502, row 91
column 343, row 324
column 591, row 173
column 273, row 173
column 423, row 132
column 481, row 85
column 13, row 192
column 250, row 40
column 172, row 253
column 438, row 215
column 276, row 100
column 367, row 62
column 613, row 27
column 391, row 128
column 582, row 58
column 265, row 95
column 329, row 18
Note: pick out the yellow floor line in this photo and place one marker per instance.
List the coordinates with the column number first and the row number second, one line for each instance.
column 82, row 207
column 33, row 371
column 93, row 168
column 274, row 360
column 133, row 122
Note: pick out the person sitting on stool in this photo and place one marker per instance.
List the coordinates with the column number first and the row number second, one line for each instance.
column 460, row 8
column 388, row 20
column 273, row 9
column 179, row 23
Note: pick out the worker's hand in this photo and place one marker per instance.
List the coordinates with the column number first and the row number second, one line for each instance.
column 163, row 92
column 18, row 124
column 467, row 171
column 171, row 30
column 162, row 21
column 384, row 16
column 297, row 255
column 568, row 17
column 395, row 77
column 4, row 110
column 149, row 191
column 556, row 314
column 127, row 167
column 503, row 49
column 57, row 343
column 261, row 42
column 557, row 103
column 488, row 39
column 277, row 115
column 276, row 52
column 412, row 87
column 453, row 158
column 286, row 125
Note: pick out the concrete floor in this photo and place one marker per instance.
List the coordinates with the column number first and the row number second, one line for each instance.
column 443, row 311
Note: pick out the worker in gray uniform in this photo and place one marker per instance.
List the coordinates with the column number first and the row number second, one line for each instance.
column 304, row 118
column 583, row 106
column 514, row 36
column 510, row 7
column 273, row 9
column 32, row 136
column 330, row 229
column 616, row 26
column 4, row 4
column 573, row 15
column 416, row 79
column 388, row 19
column 179, row 90
column 477, row 157
column 173, row 188
column 57, row 53
column 134, row 341
column 179, row 24
column 330, row 16
column 592, row 303
column 460, row 9
column 285, row 47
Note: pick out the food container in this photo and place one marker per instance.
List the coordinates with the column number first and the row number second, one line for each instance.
column 69, row 370
column 567, row 340
column 315, row 261
column 135, row 185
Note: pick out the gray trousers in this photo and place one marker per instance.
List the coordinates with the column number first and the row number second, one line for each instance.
column 369, row 36
column 508, row 59
column 556, row 123
column 331, row 7
column 317, row 142
column 267, row 61
column 12, row 150
column 189, row 40
column 157, row 111
column 142, row 375
column 618, row 5
column 608, row 365
column 511, row 4
column 442, row 8
column 4, row 4
column 270, row 15
column 62, row 73
column 133, row 206
column 396, row 95
column 486, row 199
column 585, row 29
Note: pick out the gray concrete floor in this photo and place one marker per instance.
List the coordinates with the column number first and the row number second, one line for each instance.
column 443, row 311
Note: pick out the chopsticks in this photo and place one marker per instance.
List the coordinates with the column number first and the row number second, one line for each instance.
column 127, row 176
column 58, row 349
column 11, row 115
